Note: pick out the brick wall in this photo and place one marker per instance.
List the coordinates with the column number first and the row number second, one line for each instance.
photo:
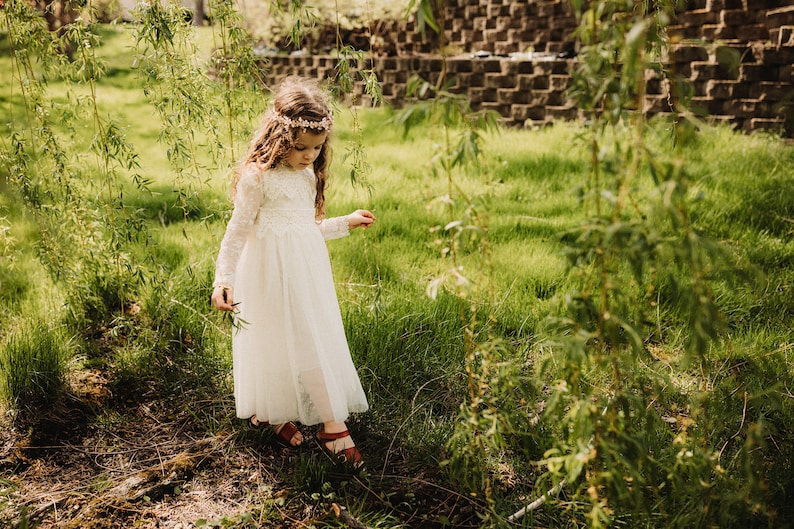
column 530, row 87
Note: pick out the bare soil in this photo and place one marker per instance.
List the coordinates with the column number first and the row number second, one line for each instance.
column 92, row 462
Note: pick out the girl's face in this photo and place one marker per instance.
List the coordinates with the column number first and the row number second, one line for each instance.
column 307, row 148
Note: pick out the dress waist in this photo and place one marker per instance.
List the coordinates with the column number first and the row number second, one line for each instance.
column 282, row 220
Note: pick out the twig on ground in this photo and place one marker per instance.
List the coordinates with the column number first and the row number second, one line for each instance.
column 28, row 517
column 537, row 503
column 151, row 483
column 741, row 426
column 414, row 409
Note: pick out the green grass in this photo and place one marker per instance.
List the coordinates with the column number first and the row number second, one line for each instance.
column 410, row 348
column 33, row 360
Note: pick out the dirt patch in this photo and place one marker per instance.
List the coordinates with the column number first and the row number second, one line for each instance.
column 94, row 464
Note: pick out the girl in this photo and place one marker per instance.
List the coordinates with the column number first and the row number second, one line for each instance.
column 291, row 358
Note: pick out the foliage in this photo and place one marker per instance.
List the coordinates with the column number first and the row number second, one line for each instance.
column 203, row 106
column 461, row 235
column 105, row 11
column 12, row 283
column 86, row 228
column 639, row 253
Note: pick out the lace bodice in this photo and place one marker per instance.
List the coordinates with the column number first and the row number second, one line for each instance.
column 271, row 202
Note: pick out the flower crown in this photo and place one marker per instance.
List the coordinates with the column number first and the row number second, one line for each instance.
column 323, row 124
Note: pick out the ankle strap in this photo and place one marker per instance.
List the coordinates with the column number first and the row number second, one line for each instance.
column 327, row 436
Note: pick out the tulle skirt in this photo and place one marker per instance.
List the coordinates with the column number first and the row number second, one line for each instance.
column 291, row 357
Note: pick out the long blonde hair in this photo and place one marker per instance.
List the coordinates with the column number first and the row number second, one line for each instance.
column 299, row 104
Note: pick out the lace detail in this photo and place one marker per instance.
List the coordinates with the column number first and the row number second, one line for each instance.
column 247, row 202
column 280, row 221
column 334, row 228
column 292, row 185
column 276, row 202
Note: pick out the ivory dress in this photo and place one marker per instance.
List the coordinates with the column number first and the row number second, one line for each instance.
column 291, row 357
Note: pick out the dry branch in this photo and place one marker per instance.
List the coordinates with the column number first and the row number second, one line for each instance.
column 537, row 503
column 32, row 516
column 152, row 483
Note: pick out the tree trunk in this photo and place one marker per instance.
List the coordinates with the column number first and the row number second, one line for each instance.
column 199, row 16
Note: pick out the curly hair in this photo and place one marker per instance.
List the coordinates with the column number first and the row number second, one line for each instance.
column 299, row 105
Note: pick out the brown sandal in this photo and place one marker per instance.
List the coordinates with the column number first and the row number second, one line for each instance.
column 349, row 455
column 283, row 435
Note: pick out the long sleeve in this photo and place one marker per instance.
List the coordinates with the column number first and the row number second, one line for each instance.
column 247, row 201
column 334, row 228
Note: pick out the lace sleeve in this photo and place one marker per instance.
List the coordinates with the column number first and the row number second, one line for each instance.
column 247, row 202
column 334, row 228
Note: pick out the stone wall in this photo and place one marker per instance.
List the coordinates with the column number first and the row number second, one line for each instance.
column 515, row 58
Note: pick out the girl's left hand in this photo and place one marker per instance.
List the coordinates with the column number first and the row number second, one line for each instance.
column 223, row 298
column 360, row 217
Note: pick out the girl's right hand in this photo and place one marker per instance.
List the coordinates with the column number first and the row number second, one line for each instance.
column 223, row 298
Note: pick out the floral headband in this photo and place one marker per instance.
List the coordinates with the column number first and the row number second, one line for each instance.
column 323, row 124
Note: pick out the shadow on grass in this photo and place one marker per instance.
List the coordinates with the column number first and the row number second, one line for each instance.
column 166, row 206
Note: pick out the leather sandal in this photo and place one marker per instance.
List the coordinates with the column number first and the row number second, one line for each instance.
column 284, row 434
column 349, row 455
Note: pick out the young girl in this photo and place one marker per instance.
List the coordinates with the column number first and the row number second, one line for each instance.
column 291, row 357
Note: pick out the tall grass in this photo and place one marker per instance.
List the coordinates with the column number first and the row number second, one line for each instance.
column 33, row 359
